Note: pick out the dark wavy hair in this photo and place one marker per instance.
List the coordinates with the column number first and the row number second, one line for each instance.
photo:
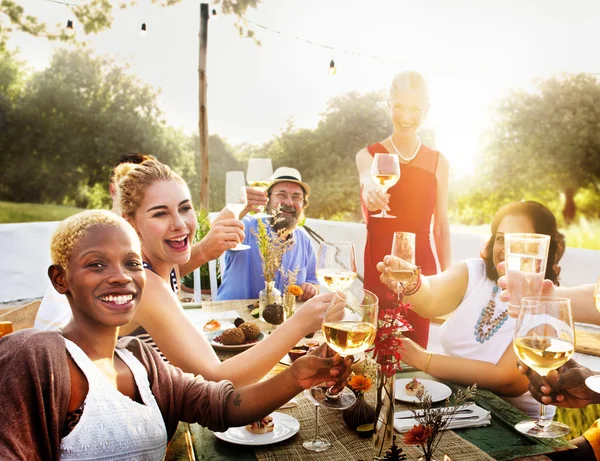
column 543, row 222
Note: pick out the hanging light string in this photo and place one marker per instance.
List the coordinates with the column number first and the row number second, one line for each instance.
column 322, row 45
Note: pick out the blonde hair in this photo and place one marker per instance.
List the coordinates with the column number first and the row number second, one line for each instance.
column 69, row 233
column 412, row 80
column 135, row 180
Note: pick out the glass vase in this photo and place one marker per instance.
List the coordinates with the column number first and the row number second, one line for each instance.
column 289, row 304
column 270, row 306
column 384, row 415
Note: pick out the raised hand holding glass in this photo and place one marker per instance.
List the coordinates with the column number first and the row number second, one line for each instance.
column 235, row 197
column 385, row 172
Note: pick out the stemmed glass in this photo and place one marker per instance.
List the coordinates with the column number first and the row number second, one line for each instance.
column 544, row 340
column 336, row 265
column 235, row 197
column 403, row 247
column 385, row 172
column 259, row 175
column 593, row 382
column 349, row 328
column 318, row 443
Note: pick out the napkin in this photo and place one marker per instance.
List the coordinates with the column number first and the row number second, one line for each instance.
column 484, row 418
column 291, row 404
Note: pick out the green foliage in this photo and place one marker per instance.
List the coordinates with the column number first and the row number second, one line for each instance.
column 33, row 212
column 94, row 16
column 547, row 140
column 71, row 123
column 202, row 228
column 578, row 419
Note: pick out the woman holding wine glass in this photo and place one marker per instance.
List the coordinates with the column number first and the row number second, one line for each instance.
column 477, row 336
column 418, row 197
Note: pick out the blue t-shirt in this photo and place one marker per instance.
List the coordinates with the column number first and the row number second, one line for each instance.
column 243, row 276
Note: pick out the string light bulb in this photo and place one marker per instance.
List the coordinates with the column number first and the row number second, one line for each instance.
column 332, row 69
column 213, row 14
column 143, row 30
column 69, row 30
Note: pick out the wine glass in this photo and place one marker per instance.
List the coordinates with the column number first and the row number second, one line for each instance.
column 403, row 247
column 235, row 197
column 593, row 382
column 336, row 265
column 259, row 175
column 385, row 172
column 318, row 443
column 544, row 340
column 349, row 328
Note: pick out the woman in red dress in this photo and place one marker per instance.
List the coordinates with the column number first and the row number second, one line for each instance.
column 419, row 199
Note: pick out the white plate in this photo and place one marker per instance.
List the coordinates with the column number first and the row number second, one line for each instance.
column 223, row 347
column 437, row 390
column 285, row 427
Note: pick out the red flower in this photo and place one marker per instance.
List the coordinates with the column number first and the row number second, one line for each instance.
column 418, row 435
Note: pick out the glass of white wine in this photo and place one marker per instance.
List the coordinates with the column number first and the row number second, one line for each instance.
column 403, row 247
column 544, row 340
column 385, row 172
column 336, row 265
column 259, row 175
column 349, row 328
column 593, row 382
column 235, row 198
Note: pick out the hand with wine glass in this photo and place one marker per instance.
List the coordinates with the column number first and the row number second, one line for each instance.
column 336, row 265
column 544, row 340
column 235, row 198
column 349, row 328
column 407, row 275
column 385, row 172
column 259, row 175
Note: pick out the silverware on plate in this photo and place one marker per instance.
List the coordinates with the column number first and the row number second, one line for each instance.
column 466, row 410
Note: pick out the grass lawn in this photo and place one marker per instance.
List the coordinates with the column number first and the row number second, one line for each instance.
column 32, row 212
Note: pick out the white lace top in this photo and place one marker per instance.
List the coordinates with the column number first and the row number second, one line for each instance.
column 112, row 426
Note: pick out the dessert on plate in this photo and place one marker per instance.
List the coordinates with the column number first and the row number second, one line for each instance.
column 262, row 426
column 413, row 387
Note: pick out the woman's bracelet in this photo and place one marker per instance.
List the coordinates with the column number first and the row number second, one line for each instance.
column 416, row 286
column 428, row 359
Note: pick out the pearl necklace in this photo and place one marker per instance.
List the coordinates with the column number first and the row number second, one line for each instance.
column 412, row 157
column 487, row 326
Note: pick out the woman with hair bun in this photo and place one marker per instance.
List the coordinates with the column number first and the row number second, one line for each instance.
column 418, row 200
column 477, row 336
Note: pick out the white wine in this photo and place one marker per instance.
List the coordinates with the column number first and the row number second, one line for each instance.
column 336, row 279
column 260, row 185
column 385, row 180
column 405, row 276
column 543, row 354
column 236, row 208
column 348, row 338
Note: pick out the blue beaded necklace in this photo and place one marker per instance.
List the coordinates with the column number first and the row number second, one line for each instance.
column 487, row 326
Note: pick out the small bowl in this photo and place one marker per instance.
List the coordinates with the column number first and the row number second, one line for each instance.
column 297, row 352
column 311, row 345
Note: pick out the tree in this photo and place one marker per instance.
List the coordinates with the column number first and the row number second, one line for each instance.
column 547, row 140
column 71, row 123
column 97, row 15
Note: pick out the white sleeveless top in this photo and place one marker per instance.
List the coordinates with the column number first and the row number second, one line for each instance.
column 112, row 426
column 457, row 336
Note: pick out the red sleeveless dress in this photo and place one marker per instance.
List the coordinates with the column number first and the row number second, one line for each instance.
column 412, row 201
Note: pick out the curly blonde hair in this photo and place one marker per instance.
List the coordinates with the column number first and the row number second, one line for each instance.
column 69, row 233
column 135, row 180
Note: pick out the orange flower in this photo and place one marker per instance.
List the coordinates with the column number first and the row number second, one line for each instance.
column 295, row 290
column 360, row 383
column 418, row 435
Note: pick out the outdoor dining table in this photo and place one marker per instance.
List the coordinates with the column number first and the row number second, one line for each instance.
column 498, row 441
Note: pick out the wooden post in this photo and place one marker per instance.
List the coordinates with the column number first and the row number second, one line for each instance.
column 203, row 115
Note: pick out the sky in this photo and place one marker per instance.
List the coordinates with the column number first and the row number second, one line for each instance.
column 472, row 53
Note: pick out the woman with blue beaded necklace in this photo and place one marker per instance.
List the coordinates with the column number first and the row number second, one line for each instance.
column 477, row 336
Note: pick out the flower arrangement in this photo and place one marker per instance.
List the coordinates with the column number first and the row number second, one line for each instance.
column 434, row 421
column 386, row 353
column 271, row 247
column 295, row 290
column 291, row 276
column 359, row 384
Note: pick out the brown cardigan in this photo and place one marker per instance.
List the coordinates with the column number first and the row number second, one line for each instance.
column 35, row 387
